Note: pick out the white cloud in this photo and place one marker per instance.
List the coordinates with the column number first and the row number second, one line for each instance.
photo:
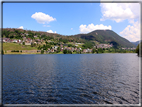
column 50, row 31
column 124, row 11
column 71, row 28
column 42, row 17
column 120, row 11
column 46, row 25
column 92, row 27
column 132, row 32
column 21, row 27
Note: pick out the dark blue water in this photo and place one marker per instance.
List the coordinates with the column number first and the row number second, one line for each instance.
column 71, row 79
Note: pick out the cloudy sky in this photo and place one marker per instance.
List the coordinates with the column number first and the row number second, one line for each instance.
column 74, row 18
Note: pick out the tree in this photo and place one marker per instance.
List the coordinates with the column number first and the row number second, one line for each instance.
column 11, row 36
column 58, row 49
column 93, row 50
column 24, row 31
column 2, row 52
column 42, row 51
column 137, row 49
column 46, row 42
column 43, row 36
column 115, row 44
column 65, row 51
column 6, row 33
column 18, row 36
column 33, row 44
column 88, row 45
column 80, row 52
column 69, row 45
column 96, row 50
column 23, row 43
column 69, row 52
column 100, row 50
column 17, row 31
column 63, row 40
column 39, row 47
column 31, row 36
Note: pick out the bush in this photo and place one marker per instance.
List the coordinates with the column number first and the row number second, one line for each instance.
column 67, row 51
column 33, row 44
column 100, row 50
column 23, row 43
column 15, row 51
column 42, row 51
column 80, row 51
column 93, row 51
column 11, row 37
column 58, row 49
column 69, row 45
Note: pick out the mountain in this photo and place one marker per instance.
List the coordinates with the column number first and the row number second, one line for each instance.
column 106, row 36
column 136, row 43
column 97, row 36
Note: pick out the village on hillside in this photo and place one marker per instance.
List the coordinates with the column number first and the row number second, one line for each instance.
column 44, row 44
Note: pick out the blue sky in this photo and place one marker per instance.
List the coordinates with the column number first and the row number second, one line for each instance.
column 74, row 18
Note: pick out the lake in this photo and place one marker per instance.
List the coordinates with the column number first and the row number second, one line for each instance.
column 71, row 79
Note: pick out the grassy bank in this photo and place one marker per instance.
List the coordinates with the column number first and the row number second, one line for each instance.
column 15, row 46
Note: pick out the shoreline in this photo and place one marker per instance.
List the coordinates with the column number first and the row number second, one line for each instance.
column 57, row 53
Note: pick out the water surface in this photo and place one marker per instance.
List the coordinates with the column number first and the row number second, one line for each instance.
column 71, row 79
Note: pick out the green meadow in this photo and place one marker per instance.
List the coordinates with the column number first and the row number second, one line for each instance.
column 15, row 46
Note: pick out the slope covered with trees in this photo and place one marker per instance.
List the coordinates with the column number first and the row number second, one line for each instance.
column 97, row 36
column 106, row 36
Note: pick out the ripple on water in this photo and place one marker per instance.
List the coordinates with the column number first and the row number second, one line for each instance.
column 71, row 79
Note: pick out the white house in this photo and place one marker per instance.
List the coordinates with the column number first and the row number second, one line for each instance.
column 15, row 40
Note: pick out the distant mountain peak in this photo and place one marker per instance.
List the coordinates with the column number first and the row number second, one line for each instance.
column 136, row 43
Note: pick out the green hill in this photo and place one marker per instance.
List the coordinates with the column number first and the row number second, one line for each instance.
column 106, row 36
column 100, row 36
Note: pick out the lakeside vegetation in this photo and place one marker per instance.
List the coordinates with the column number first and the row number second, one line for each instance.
column 139, row 49
column 14, row 48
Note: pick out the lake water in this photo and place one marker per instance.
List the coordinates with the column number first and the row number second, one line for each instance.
column 71, row 79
